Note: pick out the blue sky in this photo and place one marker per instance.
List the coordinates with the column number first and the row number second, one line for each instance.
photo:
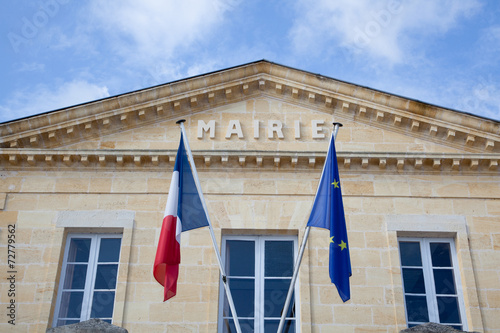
column 58, row 53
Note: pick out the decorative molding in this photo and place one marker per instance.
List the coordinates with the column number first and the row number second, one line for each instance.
column 50, row 159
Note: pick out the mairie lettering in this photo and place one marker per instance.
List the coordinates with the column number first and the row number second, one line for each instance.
column 272, row 129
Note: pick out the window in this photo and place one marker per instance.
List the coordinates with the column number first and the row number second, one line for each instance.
column 431, row 282
column 259, row 271
column 88, row 278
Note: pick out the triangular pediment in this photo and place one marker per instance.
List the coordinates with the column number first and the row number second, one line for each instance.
column 377, row 123
column 248, row 125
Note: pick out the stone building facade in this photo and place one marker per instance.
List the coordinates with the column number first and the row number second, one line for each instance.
column 83, row 190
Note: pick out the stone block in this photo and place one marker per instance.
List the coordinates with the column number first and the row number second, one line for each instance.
column 83, row 201
column 38, row 184
column 322, row 314
column 353, row 315
column 72, row 185
column 129, row 185
column 365, row 258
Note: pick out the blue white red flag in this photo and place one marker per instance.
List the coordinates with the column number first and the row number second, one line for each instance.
column 184, row 211
column 328, row 213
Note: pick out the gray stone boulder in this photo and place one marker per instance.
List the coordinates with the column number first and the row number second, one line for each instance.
column 88, row 326
column 432, row 328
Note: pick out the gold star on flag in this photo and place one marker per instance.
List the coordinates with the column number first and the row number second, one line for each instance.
column 342, row 245
column 331, row 240
column 335, row 184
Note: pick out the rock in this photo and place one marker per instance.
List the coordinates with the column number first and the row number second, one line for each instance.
column 432, row 328
column 88, row 326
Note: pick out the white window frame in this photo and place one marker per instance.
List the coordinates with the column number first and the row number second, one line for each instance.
column 259, row 278
column 431, row 296
column 88, row 290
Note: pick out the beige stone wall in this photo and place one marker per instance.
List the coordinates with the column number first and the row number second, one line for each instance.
column 380, row 203
column 378, row 208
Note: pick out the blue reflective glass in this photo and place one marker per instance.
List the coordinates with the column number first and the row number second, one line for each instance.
column 246, row 325
column 66, row 322
column 410, row 253
column 71, row 304
column 275, row 291
column 105, row 277
column 440, row 254
column 243, row 293
column 413, row 279
column 271, row 326
column 444, row 281
column 278, row 258
column 79, row 250
column 102, row 304
column 76, row 275
column 240, row 258
column 416, row 308
column 109, row 250
column 448, row 310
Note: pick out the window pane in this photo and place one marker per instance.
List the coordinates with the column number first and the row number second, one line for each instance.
column 448, row 310
column 245, row 325
column 109, row 250
column 79, row 250
column 71, row 304
column 416, row 308
column 413, row 279
column 275, row 296
column 67, row 322
column 410, row 253
column 441, row 254
column 271, row 326
column 278, row 258
column 444, row 281
column 105, row 277
column 243, row 293
column 240, row 258
column 102, row 304
column 75, row 276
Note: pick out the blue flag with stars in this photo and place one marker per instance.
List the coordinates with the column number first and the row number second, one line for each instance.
column 328, row 213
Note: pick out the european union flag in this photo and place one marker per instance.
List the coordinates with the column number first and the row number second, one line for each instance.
column 328, row 213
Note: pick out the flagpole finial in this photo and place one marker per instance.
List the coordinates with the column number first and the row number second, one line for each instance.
column 339, row 124
column 180, row 121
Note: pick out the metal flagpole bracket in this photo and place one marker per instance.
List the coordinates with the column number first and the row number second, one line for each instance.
column 337, row 124
column 180, row 121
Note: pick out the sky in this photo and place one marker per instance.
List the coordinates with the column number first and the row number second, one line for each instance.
column 59, row 53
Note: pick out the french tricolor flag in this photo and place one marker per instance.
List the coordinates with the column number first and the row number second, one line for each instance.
column 184, row 211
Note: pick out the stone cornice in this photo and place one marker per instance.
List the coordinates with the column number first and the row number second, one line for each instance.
column 182, row 98
column 374, row 162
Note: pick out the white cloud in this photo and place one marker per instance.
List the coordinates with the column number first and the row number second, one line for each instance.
column 152, row 30
column 488, row 46
column 42, row 98
column 483, row 98
column 388, row 30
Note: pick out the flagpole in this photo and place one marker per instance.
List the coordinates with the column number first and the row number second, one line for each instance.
column 336, row 127
column 214, row 241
